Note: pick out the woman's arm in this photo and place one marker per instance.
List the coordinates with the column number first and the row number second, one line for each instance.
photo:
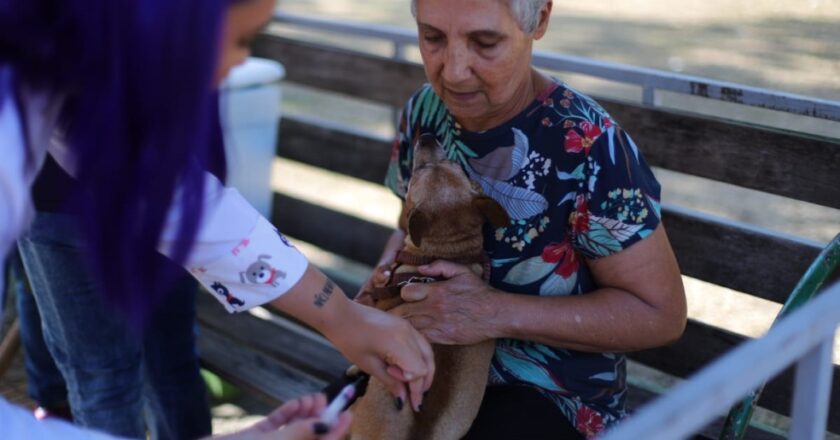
column 245, row 262
column 640, row 304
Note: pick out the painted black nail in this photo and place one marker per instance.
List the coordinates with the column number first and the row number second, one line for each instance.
column 398, row 402
column 320, row 428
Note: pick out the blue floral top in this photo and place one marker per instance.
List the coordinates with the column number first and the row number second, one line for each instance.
column 575, row 185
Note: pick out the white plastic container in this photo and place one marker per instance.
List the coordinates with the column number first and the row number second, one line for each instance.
column 250, row 116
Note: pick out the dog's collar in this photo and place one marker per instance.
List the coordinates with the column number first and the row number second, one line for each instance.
column 397, row 280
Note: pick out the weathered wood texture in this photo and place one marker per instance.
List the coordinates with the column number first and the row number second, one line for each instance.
column 733, row 255
column 736, row 256
column 334, row 148
column 275, row 358
column 372, row 77
column 728, row 152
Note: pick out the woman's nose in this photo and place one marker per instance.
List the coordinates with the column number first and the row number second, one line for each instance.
column 456, row 67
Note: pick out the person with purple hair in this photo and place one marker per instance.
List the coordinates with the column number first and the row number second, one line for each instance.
column 123, row 97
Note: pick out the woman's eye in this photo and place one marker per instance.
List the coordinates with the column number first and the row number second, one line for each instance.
column 486, row 44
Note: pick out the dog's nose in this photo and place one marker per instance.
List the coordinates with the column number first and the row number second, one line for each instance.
column 428, row 140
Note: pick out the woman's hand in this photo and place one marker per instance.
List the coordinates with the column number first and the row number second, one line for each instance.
column 381, row 274
column 298, row 420
column 458, row 311
column 383, row 345
column 388, row 348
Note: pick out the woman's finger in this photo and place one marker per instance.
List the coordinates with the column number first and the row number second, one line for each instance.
column 339, row 428
column 443, row 268
column 393, row 378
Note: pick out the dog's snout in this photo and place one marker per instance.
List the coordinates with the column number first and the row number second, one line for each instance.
column 428, row 140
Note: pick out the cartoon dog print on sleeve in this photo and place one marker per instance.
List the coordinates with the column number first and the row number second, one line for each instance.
column 261, row 272
column 223, row 291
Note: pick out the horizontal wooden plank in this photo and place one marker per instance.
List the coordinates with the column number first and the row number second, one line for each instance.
column 371, row 77
column 286, row 342
column 339, row 233
column 280, row 364
column 732, row 255
column 252, row 370
column 736, row 255
column 701, row 344
column 338, row 149
column 788, row 164
column 784, row 163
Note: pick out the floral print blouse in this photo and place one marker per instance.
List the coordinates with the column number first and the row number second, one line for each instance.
column 575, row 186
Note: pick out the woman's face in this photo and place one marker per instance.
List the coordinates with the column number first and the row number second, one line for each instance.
column 477, row 58
column 242, row 23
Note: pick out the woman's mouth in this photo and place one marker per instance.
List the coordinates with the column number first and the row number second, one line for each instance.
column 459, row 96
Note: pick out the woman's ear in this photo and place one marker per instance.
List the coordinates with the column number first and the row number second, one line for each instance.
column 542, row 24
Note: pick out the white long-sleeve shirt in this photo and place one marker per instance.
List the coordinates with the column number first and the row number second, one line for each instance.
column 238, row 255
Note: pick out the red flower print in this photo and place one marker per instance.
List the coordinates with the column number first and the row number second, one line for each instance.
column 395, row 150
column 546, row 122
column 588, row 422
column 565, row 103
column 608, row 123
column 579, row 218
column 564, row 254
column 569, row 123
column 575, row 143
column 548, row 102
column 568, row 93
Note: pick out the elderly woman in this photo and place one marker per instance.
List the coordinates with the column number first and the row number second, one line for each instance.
column 584, row 271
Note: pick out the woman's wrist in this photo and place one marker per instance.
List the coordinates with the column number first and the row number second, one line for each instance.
column 503, row 314
column 316, row 300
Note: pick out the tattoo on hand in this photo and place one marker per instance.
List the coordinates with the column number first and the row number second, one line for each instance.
column 324, row 295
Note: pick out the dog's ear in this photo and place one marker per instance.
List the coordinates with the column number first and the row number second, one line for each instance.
column 418, row 222
column 492, row 211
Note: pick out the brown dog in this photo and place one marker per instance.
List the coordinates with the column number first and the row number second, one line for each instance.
column 444, row 215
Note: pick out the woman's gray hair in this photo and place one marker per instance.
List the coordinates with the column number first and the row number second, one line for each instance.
column 526, row 12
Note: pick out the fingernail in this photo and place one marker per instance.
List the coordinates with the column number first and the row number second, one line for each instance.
column 320, row 428
column 398, row 402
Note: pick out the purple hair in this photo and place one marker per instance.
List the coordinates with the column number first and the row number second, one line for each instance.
column 141, row 115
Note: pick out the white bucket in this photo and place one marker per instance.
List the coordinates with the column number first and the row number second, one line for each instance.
column 250, row 107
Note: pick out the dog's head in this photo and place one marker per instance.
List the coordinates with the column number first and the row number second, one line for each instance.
column 442, row 201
